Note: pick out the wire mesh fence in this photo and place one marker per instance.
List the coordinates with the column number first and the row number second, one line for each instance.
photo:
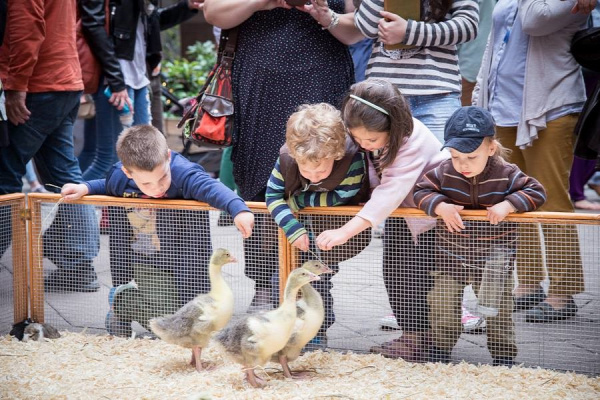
column 13, row 261
column 113, row 264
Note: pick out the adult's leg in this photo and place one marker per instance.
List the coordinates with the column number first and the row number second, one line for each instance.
column 108, row 128
column 72, row 241
column 581, row 172
column 530, row 269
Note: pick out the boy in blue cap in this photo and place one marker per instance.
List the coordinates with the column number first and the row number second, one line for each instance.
column 481, row 253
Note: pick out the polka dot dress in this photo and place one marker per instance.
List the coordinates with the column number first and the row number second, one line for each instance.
column 283, row 59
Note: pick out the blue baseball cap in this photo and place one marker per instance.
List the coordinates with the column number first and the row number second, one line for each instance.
column 466, row 128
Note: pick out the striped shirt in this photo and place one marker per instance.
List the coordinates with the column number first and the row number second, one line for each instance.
column 282, row 207
column 433, row 69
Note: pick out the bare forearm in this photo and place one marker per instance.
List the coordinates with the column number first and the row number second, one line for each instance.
column 346, row 32
column 229, row 13
column 355, row 226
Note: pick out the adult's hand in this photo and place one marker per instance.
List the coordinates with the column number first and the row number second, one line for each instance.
column 584, row 6
column 119, row 99
column 392, row 28
column 319, row 10
column 16, row 110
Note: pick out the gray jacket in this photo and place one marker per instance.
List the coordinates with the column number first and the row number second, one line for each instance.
column 552, row 76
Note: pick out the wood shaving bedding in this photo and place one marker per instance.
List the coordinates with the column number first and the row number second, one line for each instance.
column 80, row 366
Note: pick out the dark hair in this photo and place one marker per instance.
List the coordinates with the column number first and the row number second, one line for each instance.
column 439, row 9
column 399, row 122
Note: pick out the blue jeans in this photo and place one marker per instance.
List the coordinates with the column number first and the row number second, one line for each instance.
column 361, row 52
column 99, row 151
column 434, row 110
column 73, row 238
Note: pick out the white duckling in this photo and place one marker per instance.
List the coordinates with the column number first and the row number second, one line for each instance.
column 193, row 324
column 310, row 315
column 252, row 340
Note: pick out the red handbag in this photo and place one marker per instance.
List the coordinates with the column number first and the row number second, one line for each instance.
column 209, row 118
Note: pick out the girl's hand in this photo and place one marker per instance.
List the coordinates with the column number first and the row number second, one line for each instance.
column 302, row 242
column 449, row 213
column 319, row 10
column 244, row 222
column 498, row 212
column 73, row 191
column 327, row 240
column 392, row 28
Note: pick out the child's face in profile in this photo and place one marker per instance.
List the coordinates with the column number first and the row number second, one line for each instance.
column 316, row 171
column 369, row 140
column 472, row 164
column 153, row 183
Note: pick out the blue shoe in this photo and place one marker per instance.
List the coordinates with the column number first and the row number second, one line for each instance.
column 319, row 342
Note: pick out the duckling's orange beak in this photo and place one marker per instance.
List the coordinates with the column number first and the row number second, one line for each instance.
column 232, row 259
column 314, row 278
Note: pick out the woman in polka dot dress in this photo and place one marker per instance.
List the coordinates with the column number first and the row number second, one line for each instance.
column 284, row 58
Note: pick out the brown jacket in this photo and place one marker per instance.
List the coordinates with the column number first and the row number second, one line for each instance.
column 39, row 52
column 463, row 255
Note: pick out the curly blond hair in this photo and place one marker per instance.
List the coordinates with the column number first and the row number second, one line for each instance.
column 316, row 132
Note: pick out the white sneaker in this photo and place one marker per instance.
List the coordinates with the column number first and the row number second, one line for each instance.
column 472, row 323
column 389, row 323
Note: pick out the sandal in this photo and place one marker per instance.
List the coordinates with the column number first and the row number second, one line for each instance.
column 544, row 312
column 529, row 300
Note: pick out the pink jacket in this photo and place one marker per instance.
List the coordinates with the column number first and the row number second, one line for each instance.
column 418, row 155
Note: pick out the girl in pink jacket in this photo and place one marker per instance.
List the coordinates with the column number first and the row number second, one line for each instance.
column 400, row 151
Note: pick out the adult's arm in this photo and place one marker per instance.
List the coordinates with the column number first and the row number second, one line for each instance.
column 93, row 19
column 544, row 17
column 227, row 14
column 175, row 14
column 345, row 31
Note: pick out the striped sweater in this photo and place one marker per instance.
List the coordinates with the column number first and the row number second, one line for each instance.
column 434, row 68
column 463, row 254
column 288, row 191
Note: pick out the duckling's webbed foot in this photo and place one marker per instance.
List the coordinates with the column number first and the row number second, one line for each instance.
column 254, row 380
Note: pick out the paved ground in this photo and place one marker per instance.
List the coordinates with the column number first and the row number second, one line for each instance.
column 360, row 301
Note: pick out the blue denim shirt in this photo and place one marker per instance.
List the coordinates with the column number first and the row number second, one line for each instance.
column 507, row 73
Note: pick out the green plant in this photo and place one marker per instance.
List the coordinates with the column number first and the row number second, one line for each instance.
column 184, row 77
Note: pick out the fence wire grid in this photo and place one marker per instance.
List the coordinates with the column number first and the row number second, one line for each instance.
column 107, row 264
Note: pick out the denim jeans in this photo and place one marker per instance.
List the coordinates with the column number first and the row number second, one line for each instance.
column 434, row 110
column 73, row 239
column 99, row 151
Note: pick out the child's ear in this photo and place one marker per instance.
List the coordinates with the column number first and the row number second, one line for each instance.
column 127, row 174
column 493, row 147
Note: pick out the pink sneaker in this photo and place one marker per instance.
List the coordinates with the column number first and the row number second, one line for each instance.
column 472, row 323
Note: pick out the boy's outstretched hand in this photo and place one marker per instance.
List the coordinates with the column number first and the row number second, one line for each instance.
column 498, row 212
column 302, row 242
column 244, row 222
column 73, row 191
column 449, row 213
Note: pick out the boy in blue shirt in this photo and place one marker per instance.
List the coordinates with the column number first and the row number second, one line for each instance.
column 167, row 251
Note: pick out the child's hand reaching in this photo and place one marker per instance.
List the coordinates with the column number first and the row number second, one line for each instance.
column 73, row 191
column 498, row 212
column 244, row 222
column 449, row 213
column 302, row 242
column 327, row 240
